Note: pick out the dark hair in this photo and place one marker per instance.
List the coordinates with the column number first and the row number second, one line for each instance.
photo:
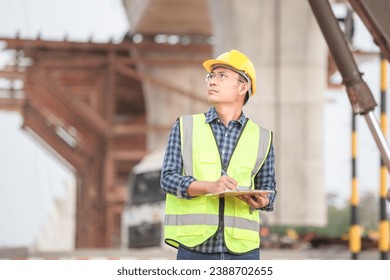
column 246, row 97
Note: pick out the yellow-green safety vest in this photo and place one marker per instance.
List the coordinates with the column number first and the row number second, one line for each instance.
column 191, row 222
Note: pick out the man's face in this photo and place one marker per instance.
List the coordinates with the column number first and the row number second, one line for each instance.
column 225, row 86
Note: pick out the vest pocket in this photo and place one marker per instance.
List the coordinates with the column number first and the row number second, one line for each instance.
column 245, row 234
column 245, row 226
column 242, row 175
column 208, row 166
column 193, row 205
column 192, row 217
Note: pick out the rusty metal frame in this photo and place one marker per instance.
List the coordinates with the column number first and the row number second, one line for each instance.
column 360, row 95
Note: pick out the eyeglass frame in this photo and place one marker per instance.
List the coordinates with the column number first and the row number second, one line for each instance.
column 218, row 76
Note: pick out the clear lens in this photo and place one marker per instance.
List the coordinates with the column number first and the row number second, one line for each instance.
column 220, row 76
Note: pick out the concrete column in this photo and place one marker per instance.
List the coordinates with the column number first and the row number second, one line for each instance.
column 164, row 106
column 283, row 40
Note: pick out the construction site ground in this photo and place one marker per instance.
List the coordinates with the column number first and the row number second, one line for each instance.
column 166, row 253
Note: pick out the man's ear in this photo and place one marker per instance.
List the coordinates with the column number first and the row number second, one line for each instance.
column 243, row 88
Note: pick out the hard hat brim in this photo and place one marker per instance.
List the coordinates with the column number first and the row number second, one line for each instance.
column 208, row 64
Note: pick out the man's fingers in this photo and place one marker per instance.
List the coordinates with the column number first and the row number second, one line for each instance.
column 228, row 182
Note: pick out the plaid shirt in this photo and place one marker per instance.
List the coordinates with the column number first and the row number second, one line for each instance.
column 173, row 182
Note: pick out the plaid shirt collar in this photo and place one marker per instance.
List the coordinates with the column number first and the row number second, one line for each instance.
column 211, row 115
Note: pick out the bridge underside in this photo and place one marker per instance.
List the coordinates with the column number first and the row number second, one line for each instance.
column 85, row 103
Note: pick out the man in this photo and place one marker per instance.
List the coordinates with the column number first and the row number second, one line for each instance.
column 215, row 152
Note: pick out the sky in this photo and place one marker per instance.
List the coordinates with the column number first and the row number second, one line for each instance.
column 27, row 196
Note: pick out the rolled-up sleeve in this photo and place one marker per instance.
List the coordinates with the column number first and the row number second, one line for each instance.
column 265, row 179
column 172, row 179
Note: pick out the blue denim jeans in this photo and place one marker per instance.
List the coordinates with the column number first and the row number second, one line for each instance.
column 186, row 254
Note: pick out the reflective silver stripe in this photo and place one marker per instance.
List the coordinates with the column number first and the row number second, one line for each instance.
column 264, row 146
column 241, row 223
column 187, row 125
column 191, row 220
column 210, row 220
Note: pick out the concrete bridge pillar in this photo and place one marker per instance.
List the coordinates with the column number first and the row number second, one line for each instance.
column 286, row 46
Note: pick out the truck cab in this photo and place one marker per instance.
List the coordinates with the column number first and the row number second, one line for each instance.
column 143, row 215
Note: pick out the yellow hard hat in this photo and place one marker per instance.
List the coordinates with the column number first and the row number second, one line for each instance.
column 239, row 62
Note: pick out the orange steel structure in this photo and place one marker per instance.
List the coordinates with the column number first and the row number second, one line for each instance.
column 84, row 102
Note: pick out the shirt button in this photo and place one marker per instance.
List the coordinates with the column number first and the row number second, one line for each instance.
column 223, row 152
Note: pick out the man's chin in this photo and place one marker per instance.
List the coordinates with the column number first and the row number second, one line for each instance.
column 211, row 100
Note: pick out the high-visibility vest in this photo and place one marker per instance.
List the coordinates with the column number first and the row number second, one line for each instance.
column 191, row 222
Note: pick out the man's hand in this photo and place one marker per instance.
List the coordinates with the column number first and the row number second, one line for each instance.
column 255, row 201
column 224, row 183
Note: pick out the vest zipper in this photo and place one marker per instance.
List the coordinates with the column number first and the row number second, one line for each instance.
column 223, row 172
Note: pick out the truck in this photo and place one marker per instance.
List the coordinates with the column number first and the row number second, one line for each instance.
column 143, row 214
